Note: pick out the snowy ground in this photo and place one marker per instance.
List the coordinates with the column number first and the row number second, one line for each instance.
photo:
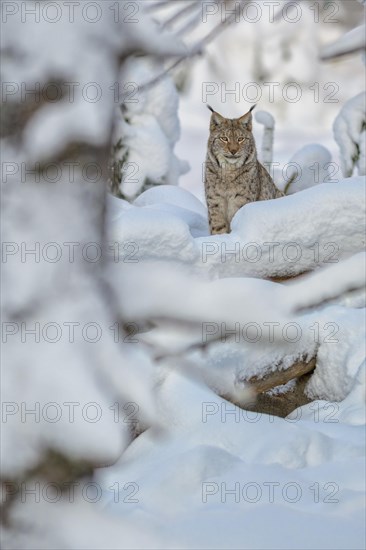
column 220, row 477
column 223, row 478
column 202, row 473
column 217, row 476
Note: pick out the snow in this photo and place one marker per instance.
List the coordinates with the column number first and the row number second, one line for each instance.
column 352, row 41
column 264, row 242
column 346, row 276
column 60, row 355
column 203, row 461
column 92, row 64
column 308, row 167
column 149, row 128
column 349, row 132
column 271, row 56
column 265, row 118
column 313, row 460
column 337, row 369
column 171, row 195
column 191, row 470
column 193, row 304
column 149, row 152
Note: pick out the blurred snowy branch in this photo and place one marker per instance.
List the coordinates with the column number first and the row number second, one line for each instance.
column 352, row 42
column 182, row 292
column 349, row 130
column 198, row 47
column 142, row 139
column 267, row 141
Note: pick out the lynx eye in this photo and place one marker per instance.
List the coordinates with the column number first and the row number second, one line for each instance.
column 240, row 139
column 224, row 139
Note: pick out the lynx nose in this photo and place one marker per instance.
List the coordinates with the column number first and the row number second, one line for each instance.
column 233, row 150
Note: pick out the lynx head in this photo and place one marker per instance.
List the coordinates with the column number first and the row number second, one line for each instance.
column 231, row 140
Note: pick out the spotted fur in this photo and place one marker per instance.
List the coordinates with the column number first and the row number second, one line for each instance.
column 233, row 174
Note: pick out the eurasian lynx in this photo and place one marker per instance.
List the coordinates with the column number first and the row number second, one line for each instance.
column 233, row 174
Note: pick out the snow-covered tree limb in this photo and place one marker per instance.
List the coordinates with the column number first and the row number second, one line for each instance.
column 268, row 135
column 349, row 131
column 352, row 42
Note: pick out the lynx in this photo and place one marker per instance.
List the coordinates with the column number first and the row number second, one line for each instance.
column 233, row 174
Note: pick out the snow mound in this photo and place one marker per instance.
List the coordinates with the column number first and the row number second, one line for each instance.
column 267, row 239
column 308, row 167
column 223, row 467
column 168, row 194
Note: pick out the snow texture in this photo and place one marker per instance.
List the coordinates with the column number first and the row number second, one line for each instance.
column 259, row 245
column 349, row 130
column 308, row 167
column 267, row 142
column 351, row 42
column 150, row 128
column 204, row 473
column 218, row 466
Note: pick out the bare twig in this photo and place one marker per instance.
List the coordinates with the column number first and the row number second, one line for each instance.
column 189, row 25
column 195, row 50
column 151, row 83
column 279, row 13
column 289, row 182
column 190, row 4
column 156, row 6
column 220, row 27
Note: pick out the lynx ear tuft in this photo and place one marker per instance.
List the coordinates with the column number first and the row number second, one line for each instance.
column 247, row 118
column 216, row 118
column 252, row 108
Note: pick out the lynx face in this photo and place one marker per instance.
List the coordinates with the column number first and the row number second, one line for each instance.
column 231, row 140
column 233, row 175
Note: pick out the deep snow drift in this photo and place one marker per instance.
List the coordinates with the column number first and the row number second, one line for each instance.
column 218, row 476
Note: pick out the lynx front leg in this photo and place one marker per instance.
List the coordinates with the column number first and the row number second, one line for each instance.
column 235, row 203
column 217, row 218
